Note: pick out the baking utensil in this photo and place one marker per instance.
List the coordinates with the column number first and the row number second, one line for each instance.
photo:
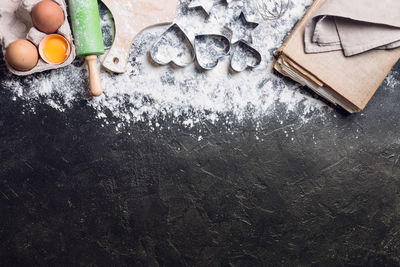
column 242, row 30
column 210, row 48
column 173, row 47
column 272, row 9
column 244, row 56
column 85, row 20
column 205, row 5
column 131, row 17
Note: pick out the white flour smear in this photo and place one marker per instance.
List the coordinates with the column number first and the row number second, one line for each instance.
column 147, row 90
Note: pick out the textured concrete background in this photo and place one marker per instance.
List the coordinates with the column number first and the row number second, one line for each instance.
column 74, row 192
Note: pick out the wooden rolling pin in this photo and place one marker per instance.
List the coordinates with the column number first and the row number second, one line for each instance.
column 88, row 37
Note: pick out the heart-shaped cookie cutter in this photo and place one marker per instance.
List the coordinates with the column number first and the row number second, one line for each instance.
column 210, row 41
column 240, row 56
column 183, row 39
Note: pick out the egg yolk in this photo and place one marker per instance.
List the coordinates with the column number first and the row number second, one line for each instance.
column 55, row 49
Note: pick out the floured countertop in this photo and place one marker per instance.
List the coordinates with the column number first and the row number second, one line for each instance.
column 147, row 91
column 176, row 167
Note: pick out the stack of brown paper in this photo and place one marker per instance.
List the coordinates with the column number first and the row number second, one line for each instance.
column 349, row 82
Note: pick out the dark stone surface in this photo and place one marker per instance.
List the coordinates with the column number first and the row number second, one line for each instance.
column 75, row 193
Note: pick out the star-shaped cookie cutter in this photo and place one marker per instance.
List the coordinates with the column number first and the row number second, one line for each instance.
column 246, row 28
column 204, row 5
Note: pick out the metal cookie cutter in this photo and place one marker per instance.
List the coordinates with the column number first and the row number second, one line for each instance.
column 204, row 5
column 241, row 29
column 210, row 48
column 173, row 47
column 244, row 56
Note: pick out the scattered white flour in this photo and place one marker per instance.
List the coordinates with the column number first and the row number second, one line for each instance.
column 148, row 91
column 391, row 80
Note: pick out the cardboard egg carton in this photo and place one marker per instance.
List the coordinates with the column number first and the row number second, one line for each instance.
column 16, row 23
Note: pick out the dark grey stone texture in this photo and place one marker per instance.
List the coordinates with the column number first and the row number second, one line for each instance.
column 73, row 193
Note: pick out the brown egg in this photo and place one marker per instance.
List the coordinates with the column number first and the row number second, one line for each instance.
column 22, row 55
column 47, row 16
